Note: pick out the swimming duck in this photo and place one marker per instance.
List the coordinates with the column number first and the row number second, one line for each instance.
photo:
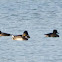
column 24, row 36
column 54, row 34
column 4, row 34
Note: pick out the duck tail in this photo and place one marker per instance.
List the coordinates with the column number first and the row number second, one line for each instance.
column 12, row 35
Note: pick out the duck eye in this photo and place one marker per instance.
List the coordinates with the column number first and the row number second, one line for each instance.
column 24, row 35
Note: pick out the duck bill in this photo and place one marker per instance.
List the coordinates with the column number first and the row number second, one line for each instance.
column 28, row 36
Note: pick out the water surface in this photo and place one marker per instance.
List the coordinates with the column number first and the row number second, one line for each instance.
column 38, row 18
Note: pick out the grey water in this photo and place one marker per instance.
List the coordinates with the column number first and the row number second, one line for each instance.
column 38, row 17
